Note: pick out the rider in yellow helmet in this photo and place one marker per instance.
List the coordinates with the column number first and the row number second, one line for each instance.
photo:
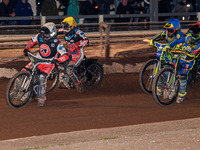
column 75, row 41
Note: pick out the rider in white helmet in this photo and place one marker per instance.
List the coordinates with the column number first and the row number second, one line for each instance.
column 50, row 48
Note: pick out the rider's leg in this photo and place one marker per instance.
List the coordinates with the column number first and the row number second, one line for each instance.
column 45, row 69
column 42, row 79
column 186, row 66
column 71, row 71
column 182, row 89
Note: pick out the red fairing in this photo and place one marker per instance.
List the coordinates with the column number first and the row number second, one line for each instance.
column 45, row 68
column 63, row 58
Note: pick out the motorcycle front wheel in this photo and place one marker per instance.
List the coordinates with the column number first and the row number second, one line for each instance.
column 18, row 92
column 147, row 74
column 165, row 87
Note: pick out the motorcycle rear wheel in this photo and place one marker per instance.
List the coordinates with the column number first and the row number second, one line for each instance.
column 94, row 75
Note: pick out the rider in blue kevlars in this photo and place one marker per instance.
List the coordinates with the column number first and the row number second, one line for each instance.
column 172, row 32
column 190, row 42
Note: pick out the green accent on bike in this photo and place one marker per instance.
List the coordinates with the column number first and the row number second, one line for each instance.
column 156, row 71
column 171, row 79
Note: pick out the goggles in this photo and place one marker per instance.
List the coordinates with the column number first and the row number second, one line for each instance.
column 65, row 25
column 45, row 31
column 171, row 30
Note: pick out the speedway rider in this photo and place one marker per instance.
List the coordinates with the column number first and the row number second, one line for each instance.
column 171, row 33
column 49, row 48
column 75, row 41
column 190, row 42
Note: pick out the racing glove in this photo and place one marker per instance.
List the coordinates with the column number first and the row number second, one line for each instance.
column 166, row 48
column 26, row 52
column 54, row 61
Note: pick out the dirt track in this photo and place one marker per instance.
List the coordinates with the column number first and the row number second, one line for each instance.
column 118, row 102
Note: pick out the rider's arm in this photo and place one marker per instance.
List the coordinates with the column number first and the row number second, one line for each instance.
column 32, row 42
column 176, row 42
column 62, row 51
column 159, row 36
column 84, row 40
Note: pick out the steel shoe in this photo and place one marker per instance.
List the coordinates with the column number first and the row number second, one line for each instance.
column 41, row 102
column 79, row 88
column 179, row 99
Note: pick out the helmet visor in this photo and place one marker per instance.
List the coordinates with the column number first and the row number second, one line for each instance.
column 171, row 32
column 65, row 25
column 45, row 31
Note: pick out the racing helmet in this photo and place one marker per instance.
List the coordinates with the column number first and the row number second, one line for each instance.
column 69, row 24
column 48, row 31
column 172, row 27
column 194, row 31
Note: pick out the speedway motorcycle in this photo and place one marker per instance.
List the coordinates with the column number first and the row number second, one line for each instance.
column 90, row 72
column 23, row 86
column 152, row 66
column 168, row 79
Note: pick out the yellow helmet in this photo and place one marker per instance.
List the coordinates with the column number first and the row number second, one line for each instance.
column 69, row 23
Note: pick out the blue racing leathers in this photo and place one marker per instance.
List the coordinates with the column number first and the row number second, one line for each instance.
column 164, row 36
column 186, row 60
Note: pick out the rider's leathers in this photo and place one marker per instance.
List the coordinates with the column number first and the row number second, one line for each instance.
column 75, row 43
column 49, row 50
column 187, row 60
column 164, row 36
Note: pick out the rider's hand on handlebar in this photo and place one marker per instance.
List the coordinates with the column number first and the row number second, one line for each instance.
column 166, row 48
column 151, row 43
column 54, row 61
column 26, row 52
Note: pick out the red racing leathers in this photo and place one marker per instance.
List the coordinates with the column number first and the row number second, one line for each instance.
column 75, row 44
column 50, row 49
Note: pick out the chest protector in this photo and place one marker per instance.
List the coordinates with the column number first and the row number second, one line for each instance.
column 47, row 49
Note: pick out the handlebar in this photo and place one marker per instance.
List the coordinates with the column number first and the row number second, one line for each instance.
column 156, row 44
column 35, row 59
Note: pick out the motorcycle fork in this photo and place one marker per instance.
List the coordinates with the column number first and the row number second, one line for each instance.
column 157, row 68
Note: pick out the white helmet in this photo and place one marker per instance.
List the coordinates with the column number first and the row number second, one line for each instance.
column 48, row 31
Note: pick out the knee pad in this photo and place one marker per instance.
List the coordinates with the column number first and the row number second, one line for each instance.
column 42, row 78
column 42, row 86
